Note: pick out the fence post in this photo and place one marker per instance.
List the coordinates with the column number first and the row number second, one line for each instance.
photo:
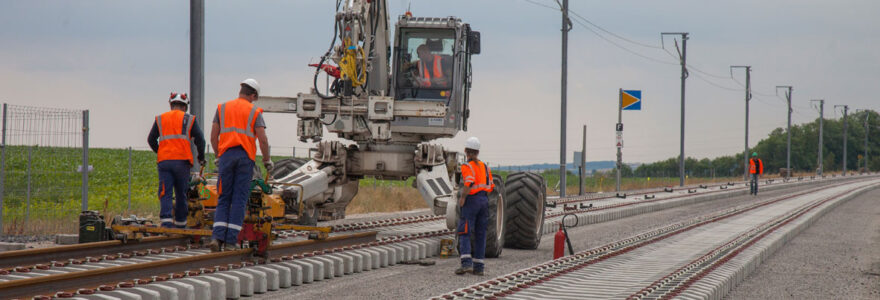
column 129, row 179
column 2, row 168
column 85, row 160
column 27, row 210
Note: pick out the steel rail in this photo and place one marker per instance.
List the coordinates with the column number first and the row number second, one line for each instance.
column 27, row 257
column 585, row 198
column 700, row 267
column 624, row 204
column 30, row 258
column 50, row 284
column 518, row 281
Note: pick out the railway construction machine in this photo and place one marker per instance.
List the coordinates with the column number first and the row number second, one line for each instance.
column 387, row 107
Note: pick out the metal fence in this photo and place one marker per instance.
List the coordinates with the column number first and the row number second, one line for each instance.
column 42, row 177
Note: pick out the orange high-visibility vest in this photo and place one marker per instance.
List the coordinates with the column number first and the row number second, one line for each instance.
column 438, row 72
column 174, row 136
column 477, row 176
column 237, row 119
column 753, row 169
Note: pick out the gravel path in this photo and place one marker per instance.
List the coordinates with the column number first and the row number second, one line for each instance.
column 838, row 257
column 417, row 282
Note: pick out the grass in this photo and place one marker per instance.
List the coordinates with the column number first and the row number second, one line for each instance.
column 55, row 192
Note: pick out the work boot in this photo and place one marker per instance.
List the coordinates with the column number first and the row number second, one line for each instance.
column 231, row 247
column 464, row 270
column 216, row 245
column 478, row 272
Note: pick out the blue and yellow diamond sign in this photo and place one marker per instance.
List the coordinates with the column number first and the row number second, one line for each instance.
column 631, row 100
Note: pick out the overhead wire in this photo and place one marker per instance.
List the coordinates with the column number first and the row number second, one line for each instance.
column 716, row 85
column 633, row 52
column 583, row 21
column 574, row 13
column 543, row 5
column 699, row 73
column 580, row 20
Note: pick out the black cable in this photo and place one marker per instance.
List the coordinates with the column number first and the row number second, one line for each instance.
column 565, row 231
column 324, row 57
column 374, row 9
column 331, row 122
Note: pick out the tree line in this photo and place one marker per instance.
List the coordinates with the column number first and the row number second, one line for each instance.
column 804, row 151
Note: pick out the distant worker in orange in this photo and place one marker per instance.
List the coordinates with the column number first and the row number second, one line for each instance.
column 756, row 167
column 171, row 137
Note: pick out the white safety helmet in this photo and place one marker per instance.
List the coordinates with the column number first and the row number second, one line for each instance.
column 252, row 83
column 178, row 98
column 472, row 143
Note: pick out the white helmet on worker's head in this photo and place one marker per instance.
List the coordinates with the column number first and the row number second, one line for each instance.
column 178, row 98
column 472, row 143
column 252, row 83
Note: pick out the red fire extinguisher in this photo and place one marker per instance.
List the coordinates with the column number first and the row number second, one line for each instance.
column 561, row 238
column 559, row 243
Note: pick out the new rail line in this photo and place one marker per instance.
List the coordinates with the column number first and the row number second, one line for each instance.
column 156, row 266
column 695, row 256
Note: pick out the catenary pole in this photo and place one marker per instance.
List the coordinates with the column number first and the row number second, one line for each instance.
column 821, row 125
column 583, row 160
column 566, row 26
column 197, row 66
column 865, row 157
column 682, row 55
column 845, row 137
column 619, row 132
column 788, row 143
column 748, row 97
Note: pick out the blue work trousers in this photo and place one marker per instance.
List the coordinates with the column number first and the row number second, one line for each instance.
column 753, row 184
column 472, row 228
column 173, row 180
column 236, row 172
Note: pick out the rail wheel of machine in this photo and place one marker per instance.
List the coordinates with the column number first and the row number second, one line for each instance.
column 286, row 166
column 524, row 197
column 495, row 230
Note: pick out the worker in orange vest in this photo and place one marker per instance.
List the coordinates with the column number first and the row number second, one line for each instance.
column 474, row 203
column 430, row 68
column 756, row 167
column 236, row 127
column 172, row 138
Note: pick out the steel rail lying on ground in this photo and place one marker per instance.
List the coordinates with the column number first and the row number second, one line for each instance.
column 50, row 284
column 650, row 191
column 29, row 257
column 547, row 273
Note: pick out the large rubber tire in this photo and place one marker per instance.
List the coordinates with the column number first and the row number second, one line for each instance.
column 524, row 197
column 286, row 166
column 495, row 229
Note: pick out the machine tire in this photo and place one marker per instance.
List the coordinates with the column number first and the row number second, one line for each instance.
column 286, row 166
column 495, row 229
column 524, row 197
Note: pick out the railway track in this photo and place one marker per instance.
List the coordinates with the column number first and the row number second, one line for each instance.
column 696, row 259
column 399, row 240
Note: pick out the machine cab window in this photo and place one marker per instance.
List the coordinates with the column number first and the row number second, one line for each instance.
column 425, row 66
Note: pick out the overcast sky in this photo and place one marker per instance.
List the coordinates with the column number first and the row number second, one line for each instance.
column 120, row 59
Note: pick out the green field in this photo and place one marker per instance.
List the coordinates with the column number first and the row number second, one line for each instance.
column 55, row 192
column 55, row 187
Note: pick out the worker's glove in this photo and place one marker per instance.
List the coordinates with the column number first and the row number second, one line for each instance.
column 269, row 165
column 203, row 163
